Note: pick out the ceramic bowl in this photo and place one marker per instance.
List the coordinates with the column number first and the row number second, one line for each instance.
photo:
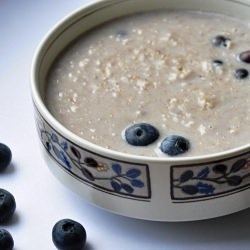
column 169, row 189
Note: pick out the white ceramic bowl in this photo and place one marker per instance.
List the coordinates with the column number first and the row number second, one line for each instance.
column 149, row 188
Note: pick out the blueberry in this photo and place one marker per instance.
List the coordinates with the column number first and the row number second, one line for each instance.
column 5, row 156
column 220, row 41
column 245, row 56
column 174, row 145
column 6, row 240
column 121, row 33
column 141, row 134
column 68, row 234
column 241, row 74
column 7, row 205
column 218, row 62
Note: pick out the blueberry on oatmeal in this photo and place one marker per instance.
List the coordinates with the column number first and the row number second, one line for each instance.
column 174, row 145
column 221, row 41
column 218, row 62
column 241, row 74
column 121, row 33
column 245, row 56
column 141, row 134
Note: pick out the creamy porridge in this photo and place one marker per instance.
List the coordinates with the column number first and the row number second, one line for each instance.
column 183, row 73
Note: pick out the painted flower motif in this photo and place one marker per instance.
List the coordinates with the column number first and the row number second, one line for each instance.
column 48, row 146
column 54, row 138
column 102, row 167
column 121, row 181
column 99, row 166
column 60, row 154
column 125, row 181
column 206, row 181
column 64, row 145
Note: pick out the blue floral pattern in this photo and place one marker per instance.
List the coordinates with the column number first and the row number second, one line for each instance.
column 119, row 178
column 195, row 182
column 131, row 180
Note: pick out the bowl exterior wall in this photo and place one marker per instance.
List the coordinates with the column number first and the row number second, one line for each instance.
column 153, row 191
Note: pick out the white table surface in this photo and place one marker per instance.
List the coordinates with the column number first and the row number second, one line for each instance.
column 41, row 199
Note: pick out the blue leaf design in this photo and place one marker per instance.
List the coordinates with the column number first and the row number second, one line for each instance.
column 117, row 168
column 203, row 173
column 116, row 186
column 220, row 169
column 186, row 176
column 57, row 152
column 76, row 152
column 48, row 146
column 133, row 173
column 127, row 188
column 65, row 159
column 87, row 174
column 205, row 188
column 238, row 165
column 61, row 156
column 64, row 145
column 234, row 180
column 54, row 138
column 190, row 189
column 137, row 183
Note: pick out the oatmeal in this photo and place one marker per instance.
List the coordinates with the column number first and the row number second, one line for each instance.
column 186, row 74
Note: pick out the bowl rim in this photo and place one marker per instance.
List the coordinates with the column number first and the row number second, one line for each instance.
column 70, row 136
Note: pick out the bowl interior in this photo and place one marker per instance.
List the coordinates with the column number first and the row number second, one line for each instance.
column 86, row 19
column 93, row 15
